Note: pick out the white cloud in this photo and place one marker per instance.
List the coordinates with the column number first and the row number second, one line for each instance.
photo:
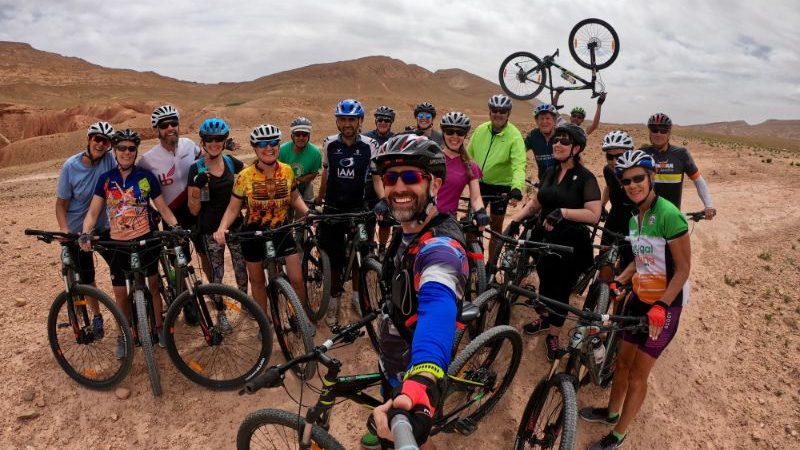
column 699, row 61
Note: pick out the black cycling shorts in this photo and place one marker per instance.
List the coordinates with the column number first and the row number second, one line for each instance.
column 119, row 261
column 496, row 207
column 253, row 248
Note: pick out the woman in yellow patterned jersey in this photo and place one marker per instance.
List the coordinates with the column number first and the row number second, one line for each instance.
column 662, row 260
column 266, row 190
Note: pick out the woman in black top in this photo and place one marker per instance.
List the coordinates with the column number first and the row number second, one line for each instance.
column 568, row 198
column 210, row 184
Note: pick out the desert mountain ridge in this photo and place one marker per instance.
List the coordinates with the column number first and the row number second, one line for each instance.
column 47, row 100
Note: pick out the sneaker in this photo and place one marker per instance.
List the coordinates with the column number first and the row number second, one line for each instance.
column 331, row 316
column 97, row 326
column 609, row 442
column 551, row 344
column 223, row 324
column 119, row 351
column 370, row 441
column 536, row 327
column 162, row 336
column 600, row 415
column 190, row 314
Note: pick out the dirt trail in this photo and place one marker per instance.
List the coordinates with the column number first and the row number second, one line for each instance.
column 728, row 381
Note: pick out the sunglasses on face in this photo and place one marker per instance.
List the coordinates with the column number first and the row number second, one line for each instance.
column 634, row 179
column 660, row 129
column 214, row 139
column 265, row 144
column 125, row 148
column 562, row 141
column 409, row 177
column 610, row 157
column 498, row 111
column 166, row 124
column 101, row 139
column 456, row 131
column 383, row 120
column 301, row 134
column 428, row 116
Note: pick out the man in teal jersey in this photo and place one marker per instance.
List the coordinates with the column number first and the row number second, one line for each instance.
column 304, row 157
column 499, row 150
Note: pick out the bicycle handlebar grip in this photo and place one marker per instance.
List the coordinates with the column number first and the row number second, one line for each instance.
column 270, row 378
column 403, row 433
column 32, row 232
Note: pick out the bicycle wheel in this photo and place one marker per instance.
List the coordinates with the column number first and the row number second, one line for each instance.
column 216, row 355
column 144, row 317
column 493, row 308
column 477, row 272
column 275, row 428
column 593, row 35
column 480, row 376
column 292, row 328
column 370, row 296
column 85, row 356
column 522, row 75
column 550, row 416
column 317, row 276
column 597, row 298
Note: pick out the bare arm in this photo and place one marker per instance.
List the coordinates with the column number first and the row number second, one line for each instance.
column 681, row 250
column 596, row 120
column 91, row 215
column 590, row 213
column 166, row 213
column 604, row 198
column 322, row 182
column 234, row 208
column 61, row 214
column 298, row 203
column 528, row 210
column 194, row 200
column 475, row 194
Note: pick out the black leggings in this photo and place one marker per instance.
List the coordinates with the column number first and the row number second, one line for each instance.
column 558, row 274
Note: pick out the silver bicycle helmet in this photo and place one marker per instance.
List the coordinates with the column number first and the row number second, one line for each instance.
column 102, row 128
column 545, row 107
column 301, row 124
column 634, row 158
column 455, row 119
column 264, row 132
column 617, row 139
column 500, row 101
column 162, row 113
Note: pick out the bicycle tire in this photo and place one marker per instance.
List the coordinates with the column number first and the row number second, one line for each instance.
column 597, row 298
column 96, row 375
column 493, row 308
column 565, row 422
column 292, row 328
column 490, row 343
column 593, row 31
column 370, row 296
column 208, row 362
column 143, row 317
column 477, row 273
column 248, row 437
column 517, row 81
column 317, row 278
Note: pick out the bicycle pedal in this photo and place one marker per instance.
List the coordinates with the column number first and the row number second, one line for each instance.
column 465, row 426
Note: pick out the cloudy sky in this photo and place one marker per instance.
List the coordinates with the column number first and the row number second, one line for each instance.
column 699, row 61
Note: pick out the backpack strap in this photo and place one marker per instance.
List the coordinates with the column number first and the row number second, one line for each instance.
column 229, row 163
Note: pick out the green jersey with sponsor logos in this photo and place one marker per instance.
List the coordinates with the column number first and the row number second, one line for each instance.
column 650, row 239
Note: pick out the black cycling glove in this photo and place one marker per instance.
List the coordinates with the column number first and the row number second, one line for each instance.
column 515, row 194
column 481, row 218
column 200, row 179
column 555, row 217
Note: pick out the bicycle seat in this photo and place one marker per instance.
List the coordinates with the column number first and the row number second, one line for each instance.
column 469, row 312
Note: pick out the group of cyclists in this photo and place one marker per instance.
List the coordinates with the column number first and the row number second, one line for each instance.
column 415, row 177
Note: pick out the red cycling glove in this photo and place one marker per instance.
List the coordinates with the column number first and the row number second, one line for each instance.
column 424, row 395
column 657, row 316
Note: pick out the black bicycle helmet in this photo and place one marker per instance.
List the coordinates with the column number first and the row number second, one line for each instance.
column 425, row 107
column 660, row 120
column 385, row 111
column 126, row 135
column 575, row 132
column 411, row 150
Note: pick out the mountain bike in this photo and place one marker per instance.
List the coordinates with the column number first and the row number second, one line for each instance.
column 231, row 341
column 550, row 416
column 316, row 272
column 293, row 330
column 474, row 385
column 371, row 290
column 593, row 44
column 85, row 353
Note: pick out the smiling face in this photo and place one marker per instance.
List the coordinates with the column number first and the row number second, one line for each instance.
column 546, row 122
column 168, row 132
column 98, row 145
column 563, row 146
column 640, row 182
column 424, row 120
column 407, row 189
column 383, row 125
column 453, row 138
column 611, row 157
column 499, row 117
column 212, row 147
column 125, row 152
column 269, row 153
column 348, row 126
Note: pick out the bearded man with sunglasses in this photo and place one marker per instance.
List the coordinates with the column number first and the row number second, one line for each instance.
column 426, row 267
column 672, row 163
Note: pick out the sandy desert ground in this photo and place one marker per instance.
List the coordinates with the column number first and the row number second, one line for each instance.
column 730, row 379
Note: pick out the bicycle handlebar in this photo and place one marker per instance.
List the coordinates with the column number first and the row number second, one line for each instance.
column 696, row 216
column 587, row 315
column 48, row 236
column 616, row 236
column 343, row 216
column 403, row 433
column 545, row 246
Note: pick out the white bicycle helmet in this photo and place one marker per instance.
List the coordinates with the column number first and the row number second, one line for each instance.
column 301, row 124
column 163, row 112
column 264, row 132
column 500, row 101
column 634, row 158
column 455, row 119
column 617, row 139
column 102, row 128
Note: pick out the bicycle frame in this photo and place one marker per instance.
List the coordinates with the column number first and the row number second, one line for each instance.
column 571, row 77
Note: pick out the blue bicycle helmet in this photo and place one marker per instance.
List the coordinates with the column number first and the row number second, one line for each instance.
column 545, row 107
column 214, row 127
column 349, row 108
